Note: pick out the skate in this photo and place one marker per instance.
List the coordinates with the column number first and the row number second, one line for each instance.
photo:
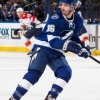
column 12, row 98
column 49, row 97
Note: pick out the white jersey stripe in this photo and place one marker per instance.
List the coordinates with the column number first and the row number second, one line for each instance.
column 51, row 37
column 46, row 44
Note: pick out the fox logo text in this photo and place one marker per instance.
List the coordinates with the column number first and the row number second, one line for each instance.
column 4, row 33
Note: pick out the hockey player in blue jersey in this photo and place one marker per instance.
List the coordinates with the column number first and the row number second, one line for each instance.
column 61, row 34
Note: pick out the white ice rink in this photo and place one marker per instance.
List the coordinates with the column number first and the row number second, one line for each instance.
column 84, row 84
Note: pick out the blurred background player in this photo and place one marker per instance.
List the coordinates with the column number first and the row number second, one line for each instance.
column 84, row 36
column 30, row 24
column 50, row 48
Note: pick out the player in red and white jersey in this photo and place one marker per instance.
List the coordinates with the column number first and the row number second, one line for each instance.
column 29, row 23
column 26, row 19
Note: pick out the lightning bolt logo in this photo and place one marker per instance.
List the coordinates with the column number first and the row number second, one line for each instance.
column 67, row 36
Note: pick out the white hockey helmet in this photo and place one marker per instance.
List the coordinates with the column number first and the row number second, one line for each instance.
column 78, row 3
column 20, row 10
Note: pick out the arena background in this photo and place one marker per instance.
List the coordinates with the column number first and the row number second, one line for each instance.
column 90, row 11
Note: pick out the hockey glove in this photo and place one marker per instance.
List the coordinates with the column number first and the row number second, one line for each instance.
column 16, row 31
column 72, row 46
column 83, row 53
column 33, row 24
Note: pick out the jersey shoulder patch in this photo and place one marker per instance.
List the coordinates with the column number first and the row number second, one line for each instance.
column 24, row 16
column 55, row 16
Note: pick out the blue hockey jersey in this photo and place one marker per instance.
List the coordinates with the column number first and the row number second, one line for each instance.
column 57, row 30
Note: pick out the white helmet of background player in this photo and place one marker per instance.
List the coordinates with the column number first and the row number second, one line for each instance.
column 20, row 12
column 68, row 6
column 78, row 3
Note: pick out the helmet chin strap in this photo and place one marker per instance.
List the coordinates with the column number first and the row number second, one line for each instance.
column 70, row 10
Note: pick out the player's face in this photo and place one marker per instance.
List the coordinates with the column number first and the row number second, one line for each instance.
column 65, row 8
column 19, row 14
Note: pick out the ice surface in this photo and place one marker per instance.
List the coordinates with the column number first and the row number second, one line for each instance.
column 84, row 84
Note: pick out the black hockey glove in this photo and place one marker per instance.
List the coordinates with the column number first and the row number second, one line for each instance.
column 16, row 31
column 33, row 24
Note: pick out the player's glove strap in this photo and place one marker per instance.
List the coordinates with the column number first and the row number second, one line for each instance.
column 65, row 45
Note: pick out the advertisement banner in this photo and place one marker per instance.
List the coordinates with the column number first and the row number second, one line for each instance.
column 11, row 42
column 7, row 37
column 91, row 29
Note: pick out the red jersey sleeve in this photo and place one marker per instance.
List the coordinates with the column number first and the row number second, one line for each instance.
column 33, row 18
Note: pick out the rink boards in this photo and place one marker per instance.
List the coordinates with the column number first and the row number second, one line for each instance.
column 12, row 43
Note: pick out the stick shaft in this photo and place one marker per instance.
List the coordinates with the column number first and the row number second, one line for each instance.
column 94, row 59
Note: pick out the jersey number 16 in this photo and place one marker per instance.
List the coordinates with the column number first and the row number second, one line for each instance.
column 50, row 28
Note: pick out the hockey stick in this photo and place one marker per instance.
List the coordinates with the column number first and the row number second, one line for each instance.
column 94, row 59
